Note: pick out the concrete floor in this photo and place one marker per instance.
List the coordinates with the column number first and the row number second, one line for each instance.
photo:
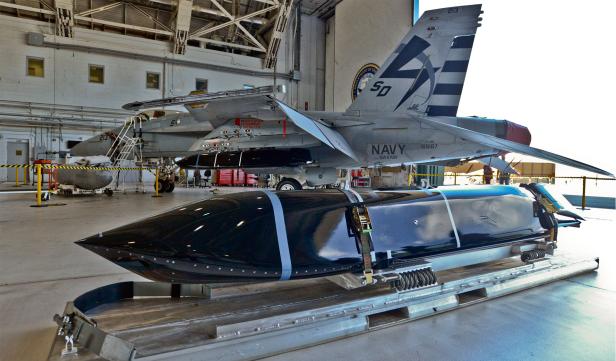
column 41, row 268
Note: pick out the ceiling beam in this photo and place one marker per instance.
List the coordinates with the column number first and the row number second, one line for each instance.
column 147, row 15
column 26, row 8
column 99, row 9
column 182, row 26
column 231, row 45
column 206, row 10
column 237, row 23
column 205, row 30
column 64, row 18
column 123, row 26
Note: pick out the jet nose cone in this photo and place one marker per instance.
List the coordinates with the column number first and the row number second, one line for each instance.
column 187, row 162
column 97, row 145
column 517, row 133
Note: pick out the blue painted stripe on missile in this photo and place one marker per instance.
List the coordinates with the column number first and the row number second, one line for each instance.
column 463, row 42
column 455, row 66
column 442, row 110
column 453, row 223
column 281, row 234
column 448, row 89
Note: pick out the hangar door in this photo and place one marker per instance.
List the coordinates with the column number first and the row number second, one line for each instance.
column 16, row 153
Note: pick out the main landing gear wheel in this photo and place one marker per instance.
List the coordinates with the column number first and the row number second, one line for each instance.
column 288, row 184
column 165, row 187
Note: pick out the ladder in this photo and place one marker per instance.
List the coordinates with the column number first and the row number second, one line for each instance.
column 127, row 146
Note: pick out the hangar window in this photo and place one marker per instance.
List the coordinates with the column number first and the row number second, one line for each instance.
column 36, row 67
column 97, row 74
column 152, row 80
column 201, row 84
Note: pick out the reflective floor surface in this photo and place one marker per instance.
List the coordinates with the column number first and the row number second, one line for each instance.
column 41, row 268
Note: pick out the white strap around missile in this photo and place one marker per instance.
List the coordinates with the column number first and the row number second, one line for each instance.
column 453, row 223
column 358, row 198
column 281, row 235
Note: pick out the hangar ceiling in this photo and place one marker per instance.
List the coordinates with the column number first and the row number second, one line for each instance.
column 250, row 27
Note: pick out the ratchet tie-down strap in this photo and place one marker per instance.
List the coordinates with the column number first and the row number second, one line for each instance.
column 361, row 227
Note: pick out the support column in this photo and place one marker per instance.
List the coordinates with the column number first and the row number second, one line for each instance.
column 284, row 12
column 64, row 18
column 182, row 26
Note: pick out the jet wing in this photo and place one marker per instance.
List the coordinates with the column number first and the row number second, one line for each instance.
column 509, row 146
column 219, row 111
column 328, row 136
column 218, row 107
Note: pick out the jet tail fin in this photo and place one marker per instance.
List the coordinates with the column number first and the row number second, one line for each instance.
column 427, row 70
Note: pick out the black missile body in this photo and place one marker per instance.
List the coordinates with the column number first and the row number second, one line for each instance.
column 267, row 235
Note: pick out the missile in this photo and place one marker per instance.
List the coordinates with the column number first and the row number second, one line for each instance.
column 84, row 178
column 266, row 235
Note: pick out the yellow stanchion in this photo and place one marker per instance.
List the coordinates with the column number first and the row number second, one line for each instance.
column 16, row 177
column 39, row 185
column 156, row 184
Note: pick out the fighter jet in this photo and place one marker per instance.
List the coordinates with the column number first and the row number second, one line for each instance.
column 407, row 113
column 162, row 133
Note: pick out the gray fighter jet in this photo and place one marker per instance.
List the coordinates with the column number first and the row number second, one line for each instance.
column 405, row 114
column 159, row 135
column 162, row 133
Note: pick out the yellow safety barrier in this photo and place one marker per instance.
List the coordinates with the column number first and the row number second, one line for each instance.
column 78, row 167
column 16, row 165
column 39, row 175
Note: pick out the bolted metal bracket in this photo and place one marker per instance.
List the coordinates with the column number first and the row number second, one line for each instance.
column 66, row 328
column 362, row 229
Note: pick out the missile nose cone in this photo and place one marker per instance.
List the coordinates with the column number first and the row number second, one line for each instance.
column 213, row 239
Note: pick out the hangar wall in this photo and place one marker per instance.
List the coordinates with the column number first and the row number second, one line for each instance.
column 65, row 94
column 361, row 32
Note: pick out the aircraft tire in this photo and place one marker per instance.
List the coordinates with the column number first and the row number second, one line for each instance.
column 161, row 186
column 170, row 187
column 288, row 184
